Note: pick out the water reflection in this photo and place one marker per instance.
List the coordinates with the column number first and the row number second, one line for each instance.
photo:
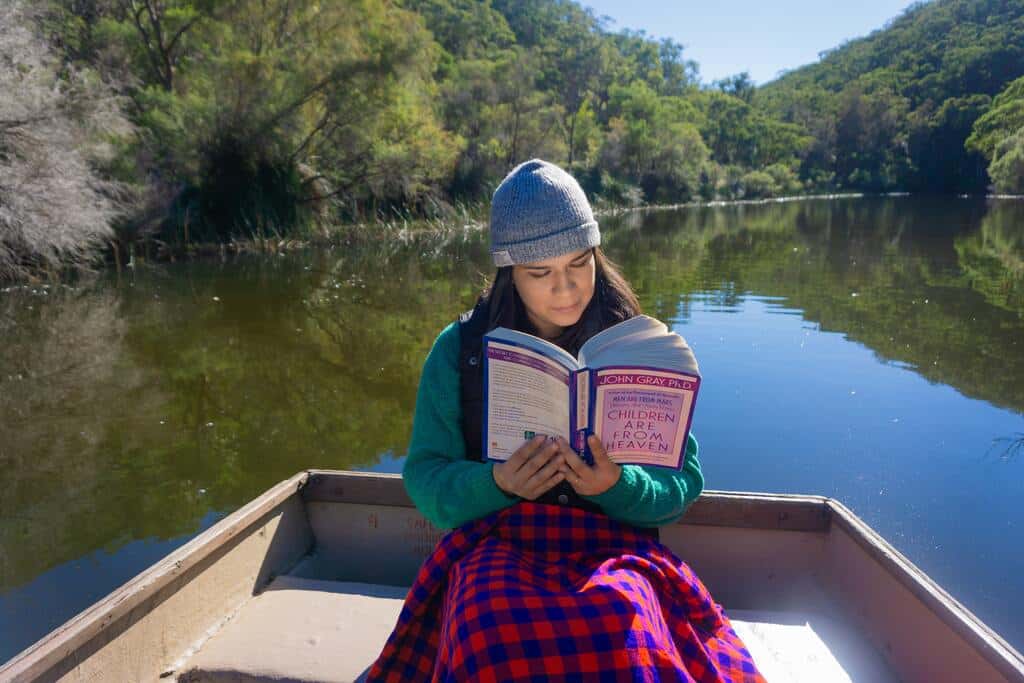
column 937, row 285
column 1007, row 447
column 142, row 407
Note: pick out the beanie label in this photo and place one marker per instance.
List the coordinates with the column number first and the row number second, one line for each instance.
column 503, row 258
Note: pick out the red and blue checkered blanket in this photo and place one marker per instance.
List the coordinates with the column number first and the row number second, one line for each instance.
column 541, row 592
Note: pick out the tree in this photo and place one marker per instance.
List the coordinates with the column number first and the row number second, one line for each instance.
column 1002, row 119
column 1007, row 167
column 273, row 106
column 738, row 133
column 739, row 86
column 871, row 151
column 496, row 106
column 679, row 75
column 579, row 56
column 653, row 139
column 936, row 63
column 56, row 209
column 465, row 29
column 940, row 159
column 161, row 31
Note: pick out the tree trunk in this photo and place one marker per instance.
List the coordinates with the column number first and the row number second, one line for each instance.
column 572, row 134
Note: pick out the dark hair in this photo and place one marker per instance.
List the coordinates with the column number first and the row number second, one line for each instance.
column 613, row 302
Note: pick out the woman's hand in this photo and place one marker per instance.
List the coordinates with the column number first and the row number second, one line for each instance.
column 587, row 480
column 532, row 470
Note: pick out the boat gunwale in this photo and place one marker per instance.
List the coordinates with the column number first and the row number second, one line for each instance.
column 730, row 509
column 62, row 641
column 954, row 614
column 739, row 509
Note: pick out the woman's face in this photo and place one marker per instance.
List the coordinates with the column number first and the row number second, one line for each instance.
column 555, row 291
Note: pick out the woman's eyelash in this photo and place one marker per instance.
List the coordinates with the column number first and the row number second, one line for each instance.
column 547, row 272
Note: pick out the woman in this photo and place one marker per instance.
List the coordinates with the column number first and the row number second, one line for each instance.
column 554, row 570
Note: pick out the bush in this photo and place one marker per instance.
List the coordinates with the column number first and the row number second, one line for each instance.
column 784, row 180
column 604, row 190
column 55, row 209
column 758, row 185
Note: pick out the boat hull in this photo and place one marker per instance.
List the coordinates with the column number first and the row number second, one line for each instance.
column 778, row 554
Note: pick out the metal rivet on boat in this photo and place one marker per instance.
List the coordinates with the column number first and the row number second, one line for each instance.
column 563, row 499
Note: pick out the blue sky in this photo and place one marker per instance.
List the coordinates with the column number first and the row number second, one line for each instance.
column 761, row 37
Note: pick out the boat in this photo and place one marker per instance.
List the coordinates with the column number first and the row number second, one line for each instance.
column 305, row 583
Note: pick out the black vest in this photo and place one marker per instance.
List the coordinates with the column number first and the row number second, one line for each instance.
column 472, row 327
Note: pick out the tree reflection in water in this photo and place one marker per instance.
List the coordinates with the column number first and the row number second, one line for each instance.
column 133, row 408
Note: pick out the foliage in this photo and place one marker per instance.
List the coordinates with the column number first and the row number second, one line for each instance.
column 56, row 206
column 992, row 258
column 738, row 133
column 936, row 145
column 267, row 118
column 1007, row 167
column 651, row 138
column 1003, row 118
column 496, row 106
column 894, row 109
column 278, row 95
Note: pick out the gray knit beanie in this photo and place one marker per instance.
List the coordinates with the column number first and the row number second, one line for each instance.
column 537, row 212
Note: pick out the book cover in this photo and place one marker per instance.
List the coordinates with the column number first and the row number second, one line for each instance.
column 642, row 415
column 635, row 385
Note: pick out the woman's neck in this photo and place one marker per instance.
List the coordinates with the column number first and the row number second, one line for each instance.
column 545, row 331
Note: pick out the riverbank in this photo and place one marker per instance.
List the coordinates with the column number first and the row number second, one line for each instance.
column 120, row 256
column 469, row 218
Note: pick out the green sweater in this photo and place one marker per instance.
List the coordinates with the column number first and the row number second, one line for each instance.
column 451, row 490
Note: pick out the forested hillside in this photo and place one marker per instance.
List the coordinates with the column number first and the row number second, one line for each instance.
column 227, row 119
column 895, row 109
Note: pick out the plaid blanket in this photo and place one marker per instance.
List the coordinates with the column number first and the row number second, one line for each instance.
column 541, row 592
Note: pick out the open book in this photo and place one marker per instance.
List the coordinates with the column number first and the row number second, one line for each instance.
column 634, row 385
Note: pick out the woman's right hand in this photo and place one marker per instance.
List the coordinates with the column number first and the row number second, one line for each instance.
column 532, row 470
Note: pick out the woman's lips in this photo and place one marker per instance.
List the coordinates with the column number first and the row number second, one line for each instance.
column 565, row 309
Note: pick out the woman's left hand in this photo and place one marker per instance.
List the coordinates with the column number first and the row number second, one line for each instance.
column 589, row 480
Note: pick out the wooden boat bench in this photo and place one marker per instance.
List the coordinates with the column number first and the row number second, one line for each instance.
column 308, row 630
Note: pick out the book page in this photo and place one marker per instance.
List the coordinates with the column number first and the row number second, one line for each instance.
column 642, row 416
column 527, row 394
column 630, row 334
column 528, row 341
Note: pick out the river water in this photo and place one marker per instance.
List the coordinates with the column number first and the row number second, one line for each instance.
column 868, row 349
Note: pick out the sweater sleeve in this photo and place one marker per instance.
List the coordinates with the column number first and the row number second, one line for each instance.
column 654, row 496
column 446, row 487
